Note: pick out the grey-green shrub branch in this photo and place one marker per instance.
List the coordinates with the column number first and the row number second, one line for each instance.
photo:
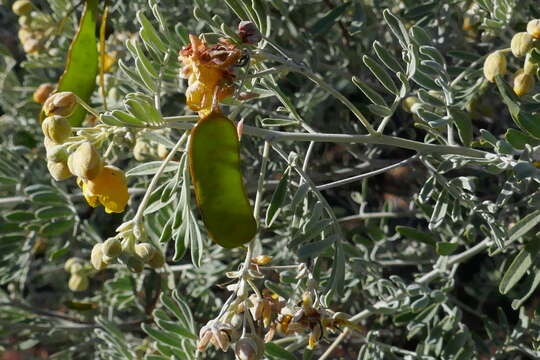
column 281, row 136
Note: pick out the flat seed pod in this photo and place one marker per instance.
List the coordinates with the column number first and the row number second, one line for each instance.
column 81, row 69
column 214, row 162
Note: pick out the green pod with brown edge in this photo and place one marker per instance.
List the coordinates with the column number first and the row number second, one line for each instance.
column 214, row 163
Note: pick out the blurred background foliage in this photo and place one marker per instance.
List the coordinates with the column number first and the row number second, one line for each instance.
column 436, row 258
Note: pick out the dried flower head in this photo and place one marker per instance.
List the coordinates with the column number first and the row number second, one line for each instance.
column 209, row 70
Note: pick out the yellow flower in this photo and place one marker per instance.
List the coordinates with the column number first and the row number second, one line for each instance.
column 109, row 189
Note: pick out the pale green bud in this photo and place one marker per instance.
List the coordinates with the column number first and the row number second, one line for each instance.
column 56, row 128
column 495, row 64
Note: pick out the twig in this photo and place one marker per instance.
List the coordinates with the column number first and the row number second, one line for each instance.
column 281, row 136
column 366, row 175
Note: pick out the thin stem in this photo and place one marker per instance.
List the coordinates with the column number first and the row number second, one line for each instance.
column 87, row 107
column 138, row 216
column 258, row 203
column 278, row 136
column 367, row 175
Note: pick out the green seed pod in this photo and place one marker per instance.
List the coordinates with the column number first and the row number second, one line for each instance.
column 523, row 82
column 56, row 128
column 70, row 262
column 96, row 257
column 135, row 264
column 112, row 247
column 21, row 7
column 495, row 64
column 78, row 283
column 533, row 28
column 157, row 261
column 214, row 162
column 85, row 162
column 59, row 170
column 61, row 103
column 521, row 43
column 145, row 251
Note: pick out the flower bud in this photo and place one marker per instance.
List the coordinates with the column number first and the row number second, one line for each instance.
column 76, row 268
column 145, row 251
column 533, row 28
column 495, row 64
column 61, row 103
column 162, row 151
column 112, row 247
column 21, row 7
column 42, row 92
column 25, row 21
column 78, row 283
column 58, row 170
column 523, row 83
column 31, row 46
column 85, row 162
column 248, row 32
column 56, row 153
column 157, row 261
column 70, row 262
column 261, row 259
column 250, row 347
column 96, row 257
column 408, row 103
column 135, row 264
column 56, row 128
column 521, row 43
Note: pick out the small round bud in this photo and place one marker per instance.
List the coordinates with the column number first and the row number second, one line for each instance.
column 56, row 153
column 157, row 261
column 70, row 262
column 261, row 259
column 25, row 21
column 21, row 7
column 135, row 264
column 250, row 347
column 495, row 64
column 85, row 162
column 112, row 247
column 408, row 102
column 162, row 151
column 96, row 257
column 61, row 103
column 523, row 83
column 533, row 28
column 56, row 128
column 78, row 283
column 31, row 45
column 248, row 32
column 145, row 251
column 76, row 268
column 59, row 170
column 142, row 150
column 42, row 92
column 521, row 43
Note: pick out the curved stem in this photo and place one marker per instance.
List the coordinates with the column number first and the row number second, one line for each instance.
column 140, row 211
